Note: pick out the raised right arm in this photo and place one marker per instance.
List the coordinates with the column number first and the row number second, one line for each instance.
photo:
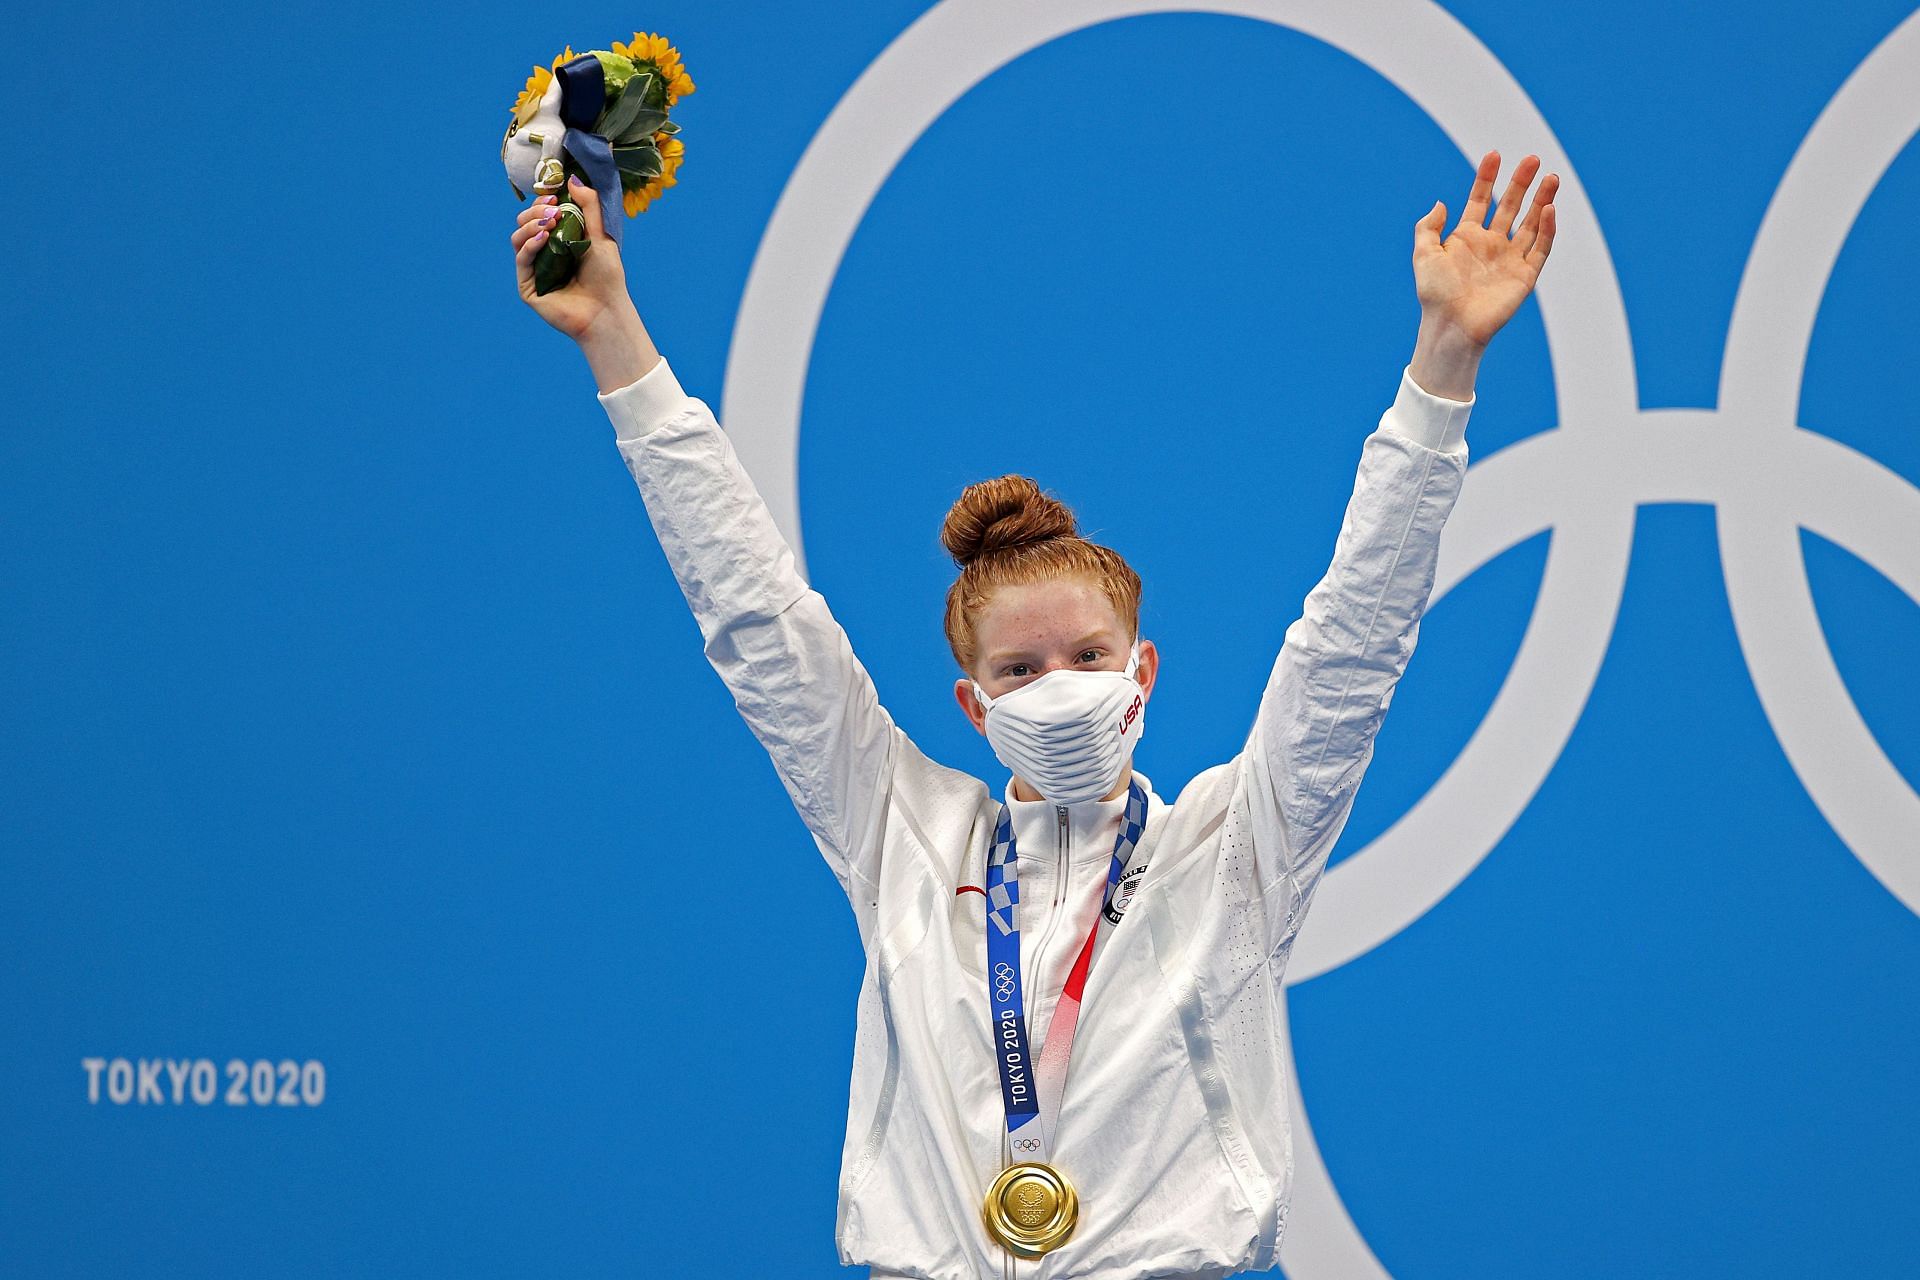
column 768, row 634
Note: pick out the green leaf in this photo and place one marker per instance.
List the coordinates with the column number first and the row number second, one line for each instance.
column 556, row 264
column 646, row 87
column 570, row 228
column 656, row 90
column 618, row 118
column 643, row 161
column 669, row 128
column 643, row 125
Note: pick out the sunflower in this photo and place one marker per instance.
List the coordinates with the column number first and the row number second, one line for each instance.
column 648, row 53
column 645, row 49
column 527, row 105
column 672, row 151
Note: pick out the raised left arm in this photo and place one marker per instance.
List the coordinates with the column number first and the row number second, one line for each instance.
column 1336, row 672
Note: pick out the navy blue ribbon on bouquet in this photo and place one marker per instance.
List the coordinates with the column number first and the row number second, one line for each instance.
column 583, row 96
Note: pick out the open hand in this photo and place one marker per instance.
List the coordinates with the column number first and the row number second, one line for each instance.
column 1471, row 283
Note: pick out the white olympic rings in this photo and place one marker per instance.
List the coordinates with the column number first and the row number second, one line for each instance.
column 1584, row 479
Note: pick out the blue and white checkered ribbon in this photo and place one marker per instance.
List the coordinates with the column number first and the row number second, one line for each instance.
column 1006, row 995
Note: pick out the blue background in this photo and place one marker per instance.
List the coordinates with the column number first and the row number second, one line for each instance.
column 352, row 714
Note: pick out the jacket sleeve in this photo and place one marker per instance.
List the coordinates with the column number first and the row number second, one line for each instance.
column 1336, row 671
column 768, row 634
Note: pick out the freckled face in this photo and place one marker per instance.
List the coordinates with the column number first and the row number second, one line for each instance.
column 1025, row 631
column 1029, row 629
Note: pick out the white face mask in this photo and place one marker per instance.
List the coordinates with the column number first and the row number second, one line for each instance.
column 1070, row 733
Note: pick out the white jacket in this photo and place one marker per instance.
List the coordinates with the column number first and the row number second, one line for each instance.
column 1174, row 1126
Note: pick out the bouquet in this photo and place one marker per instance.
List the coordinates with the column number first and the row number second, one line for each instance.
column 600, row 115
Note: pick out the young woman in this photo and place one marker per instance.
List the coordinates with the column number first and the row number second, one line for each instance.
column 1074, row 917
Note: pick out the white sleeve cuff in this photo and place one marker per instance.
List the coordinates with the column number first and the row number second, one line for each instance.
column 645, row 403
column 1434, row 421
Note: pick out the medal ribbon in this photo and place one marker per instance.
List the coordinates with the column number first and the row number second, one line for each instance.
column 1022, row 1081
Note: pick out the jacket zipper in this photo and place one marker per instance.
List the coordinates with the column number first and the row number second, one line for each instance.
column 1059, row 884
column 1063, row 840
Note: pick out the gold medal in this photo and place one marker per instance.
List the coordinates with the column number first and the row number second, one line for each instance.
column 1031, row 1209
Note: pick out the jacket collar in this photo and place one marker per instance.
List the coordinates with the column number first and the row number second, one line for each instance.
column 1091, row 824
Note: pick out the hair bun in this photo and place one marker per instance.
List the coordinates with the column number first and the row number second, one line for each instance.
column 999, row 515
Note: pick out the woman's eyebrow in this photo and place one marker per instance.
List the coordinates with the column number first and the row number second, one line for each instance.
column 1101, row 638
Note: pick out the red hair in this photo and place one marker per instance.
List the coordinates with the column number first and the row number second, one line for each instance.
column 1005, row 531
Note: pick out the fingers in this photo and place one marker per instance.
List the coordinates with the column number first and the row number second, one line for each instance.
column 529, row 229
column 1543, row 243
column 538, row 216
column 1509, row 209
column 526, row 250
column 1426, row 232
column 539, row 208
column 536, row 221
column 1542, row 201
column 1534, row 235
column 1481, row 194
column 583, row 194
